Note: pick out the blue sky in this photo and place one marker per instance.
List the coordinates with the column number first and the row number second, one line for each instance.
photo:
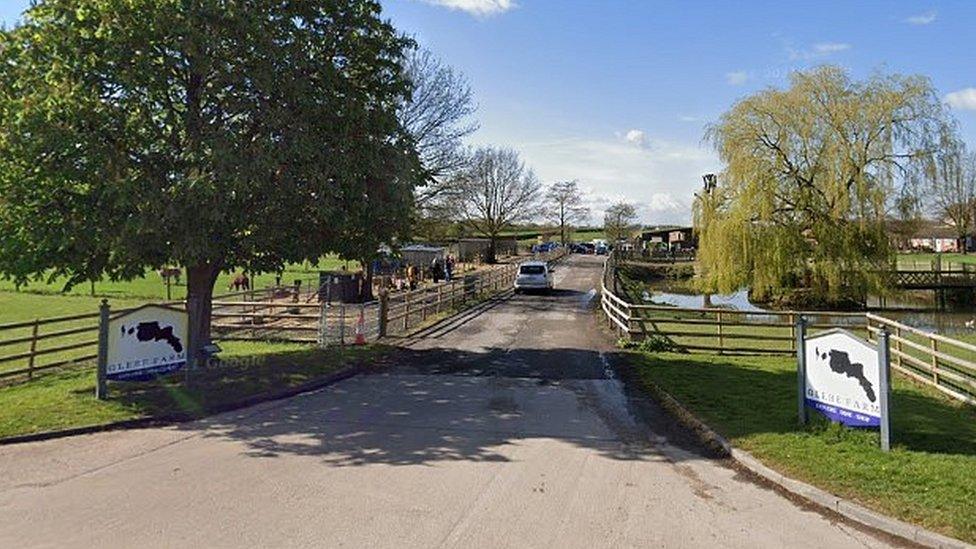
column 616, row 93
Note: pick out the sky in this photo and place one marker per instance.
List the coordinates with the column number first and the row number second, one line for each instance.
column 617, row 93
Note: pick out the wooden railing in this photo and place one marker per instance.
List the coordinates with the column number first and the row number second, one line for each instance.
column 407, row 310
column 30, row 348
column 43, row 344
column 947, row 364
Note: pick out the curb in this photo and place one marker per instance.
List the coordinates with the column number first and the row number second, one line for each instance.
column 172, row 419
column 805, row 492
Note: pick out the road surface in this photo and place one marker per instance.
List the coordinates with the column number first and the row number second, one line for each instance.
column 502, row 428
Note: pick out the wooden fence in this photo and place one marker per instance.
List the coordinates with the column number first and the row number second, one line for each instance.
column 30, row 348
column 947, row 364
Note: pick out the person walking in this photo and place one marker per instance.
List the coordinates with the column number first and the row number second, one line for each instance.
column 436, row 270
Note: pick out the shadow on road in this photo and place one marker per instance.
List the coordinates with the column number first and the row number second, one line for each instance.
column 490, row 403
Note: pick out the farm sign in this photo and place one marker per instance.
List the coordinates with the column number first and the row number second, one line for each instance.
column 146, row 342
column 845, row 378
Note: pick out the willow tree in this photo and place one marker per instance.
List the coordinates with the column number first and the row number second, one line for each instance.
column 212, row 134
column 811, row 174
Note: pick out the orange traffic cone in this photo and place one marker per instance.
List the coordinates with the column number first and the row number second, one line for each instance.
column 361, row 329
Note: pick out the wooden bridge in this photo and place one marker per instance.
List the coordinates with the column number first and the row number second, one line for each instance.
column 934, row 280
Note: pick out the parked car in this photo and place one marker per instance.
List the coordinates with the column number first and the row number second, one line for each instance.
column 545, row 247
column 533, row 275
column 602, row 249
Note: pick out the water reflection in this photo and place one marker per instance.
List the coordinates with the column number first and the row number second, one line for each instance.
column 913, row 309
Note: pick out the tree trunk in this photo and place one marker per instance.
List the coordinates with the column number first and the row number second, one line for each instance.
column 490, row 252
column 200, row 280
column 366, row 291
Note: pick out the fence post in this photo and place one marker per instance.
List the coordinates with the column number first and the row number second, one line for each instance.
column 323, row 325
column 424, row 301
column 885, row 388
column 342, row 323
column 383, row 311
column 801, row 369
column 33, row 349
column 440, row 297
column 935, row 360
column 718, row 317
column 101, row 386
column 792, row 318
column 898, row 345
column 406, row 311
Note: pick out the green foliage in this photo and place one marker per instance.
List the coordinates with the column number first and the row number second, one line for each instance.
column 209, row 134
column 138, row 133
column 652, row 343
column 811, row 174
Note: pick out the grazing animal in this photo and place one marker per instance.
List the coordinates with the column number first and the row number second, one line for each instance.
column 240, row 282
column 171, row 272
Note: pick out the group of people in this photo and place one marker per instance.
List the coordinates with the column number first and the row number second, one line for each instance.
column 442, row 269
column 409, row 278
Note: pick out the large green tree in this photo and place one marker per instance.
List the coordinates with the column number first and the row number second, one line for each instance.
column 619, row 222
column 812, row 174
column 217, row 134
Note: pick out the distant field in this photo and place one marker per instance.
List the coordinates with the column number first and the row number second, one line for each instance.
column 41, row 299
column 152, row 285
column 926, row 261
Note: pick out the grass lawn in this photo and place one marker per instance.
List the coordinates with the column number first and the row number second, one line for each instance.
column 152, row 287
column 66, row 399
column 924, row 261
column 929, row 477
column 22, row 306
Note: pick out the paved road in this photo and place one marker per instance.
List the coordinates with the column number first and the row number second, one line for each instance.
column 503, row 428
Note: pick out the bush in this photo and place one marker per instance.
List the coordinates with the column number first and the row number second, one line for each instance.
column 652, row 343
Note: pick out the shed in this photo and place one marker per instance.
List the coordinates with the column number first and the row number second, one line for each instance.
column 339, row 286
column 469, row 249
column 422, row 255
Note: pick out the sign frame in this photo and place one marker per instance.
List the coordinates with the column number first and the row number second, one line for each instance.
column 882, row 350
column 160, row 365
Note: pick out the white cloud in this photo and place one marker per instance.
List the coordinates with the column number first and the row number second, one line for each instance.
column 818, row 51
column 964, row 99
column 476, row 7
column 659, row 177
column 636, row 137
column 736, row 78
column 926, row 18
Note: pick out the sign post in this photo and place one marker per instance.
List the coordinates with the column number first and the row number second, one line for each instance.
column 101, row 387
column 884, row 388
column 801, row 369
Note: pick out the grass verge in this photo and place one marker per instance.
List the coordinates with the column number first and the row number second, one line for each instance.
column 929, row 477
column 66, row 400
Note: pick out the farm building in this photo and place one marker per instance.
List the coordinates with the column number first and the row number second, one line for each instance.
column 670, row 238
column 422, row 255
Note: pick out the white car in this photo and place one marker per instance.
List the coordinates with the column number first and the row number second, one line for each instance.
column 533, row 275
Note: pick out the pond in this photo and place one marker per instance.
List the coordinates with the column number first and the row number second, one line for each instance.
column 917, row 309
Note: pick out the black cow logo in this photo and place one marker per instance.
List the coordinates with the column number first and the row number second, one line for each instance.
column 840, row 363
column 152, row 331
